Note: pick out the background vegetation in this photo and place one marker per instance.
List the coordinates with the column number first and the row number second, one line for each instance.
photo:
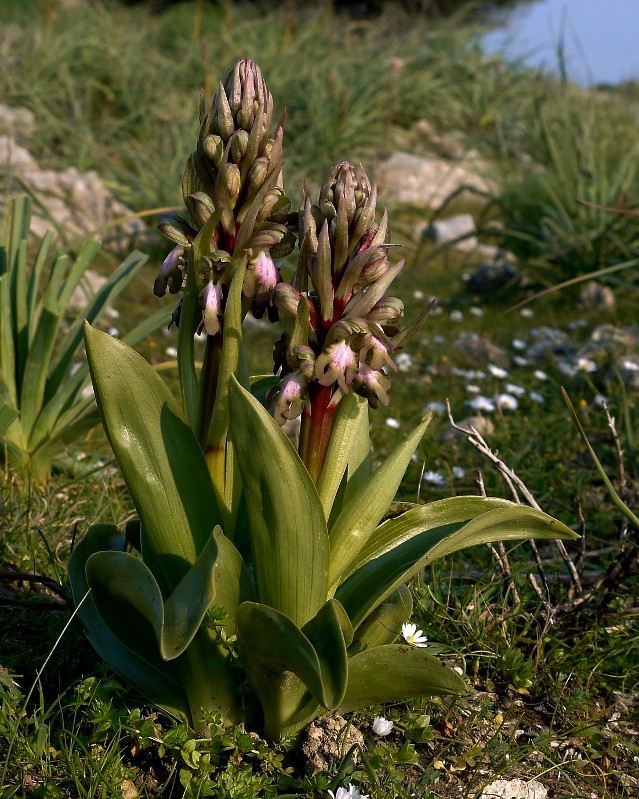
column 114, row 89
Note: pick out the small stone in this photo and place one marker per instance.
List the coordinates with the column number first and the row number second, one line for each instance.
column 514, row 789
column 482, row 350
column 596, row 297
column 443, row 231
column 490, row 277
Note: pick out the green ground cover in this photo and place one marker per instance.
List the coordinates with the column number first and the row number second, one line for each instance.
column 113, row 90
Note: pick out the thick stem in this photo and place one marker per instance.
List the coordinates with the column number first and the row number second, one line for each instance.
column 316, row 428
column 208, row 385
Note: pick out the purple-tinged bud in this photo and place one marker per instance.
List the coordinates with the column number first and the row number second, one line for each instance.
column 211, row 298
column 336, row 364
column 171, row 273
column 268, row 237
column 223, row 118
column 257, row 174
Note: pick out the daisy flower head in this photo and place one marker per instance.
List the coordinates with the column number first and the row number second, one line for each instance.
column 456, row 316
column 413, row 636
column 434, row 478
column 481, row 403
column 527, row 313
column 586, row 365
column 515, row 390
column 348, row 793
column 507, row 402
column 497, row 371
column 535, row 396
column 382, row 726
column 394, row 423
column 519, row 344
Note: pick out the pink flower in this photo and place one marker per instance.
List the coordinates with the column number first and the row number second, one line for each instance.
column 372, row 385
column 291, row 398
column 211, row 296
column 338, row 363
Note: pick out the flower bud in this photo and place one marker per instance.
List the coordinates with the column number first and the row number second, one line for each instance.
column 176, row 229
column 239, row 143
column 257, row 174
column 202, row 208
column 286, row 298
column 302, row 358
column 292, row 397
column 387, row 311
column 213, row 149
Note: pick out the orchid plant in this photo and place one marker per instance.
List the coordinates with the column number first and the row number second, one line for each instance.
column 264, row 583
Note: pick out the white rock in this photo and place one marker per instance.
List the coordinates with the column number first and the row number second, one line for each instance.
column 424, row 181
column 14, row 157
column 514, row 789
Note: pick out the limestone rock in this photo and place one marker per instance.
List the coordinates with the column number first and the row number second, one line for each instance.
column 16, row 121
column 426, row 181
column 481, row 350
column 596, row 297
column 514, row 789
column 491, row 277
column 76, row 204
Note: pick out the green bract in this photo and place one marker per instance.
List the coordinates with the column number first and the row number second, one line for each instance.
column 262, row 582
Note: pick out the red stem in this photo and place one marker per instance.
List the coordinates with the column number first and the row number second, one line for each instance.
column 315, row 432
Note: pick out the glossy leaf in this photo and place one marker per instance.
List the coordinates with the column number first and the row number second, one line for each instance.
column 363, row 591
column 361, row 515
column 289, row 542
column 351, row 417
column 157, row 680
column 384, row 624
column 159, row 456
column 124, row 590
column 396, row 673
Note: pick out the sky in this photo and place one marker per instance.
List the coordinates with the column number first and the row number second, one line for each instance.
column 601, row 38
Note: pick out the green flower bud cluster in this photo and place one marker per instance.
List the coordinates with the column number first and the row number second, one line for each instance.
column 232, row 188
column 338, row 297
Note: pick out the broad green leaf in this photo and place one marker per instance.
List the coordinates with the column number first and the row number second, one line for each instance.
column 124, row 589
column 160, row 459
column 383, row 626
column 279, row 661
column 157, row 680
column 232, row 580
column 34, row 281
column 350, row 418
column 375, row 580
column 330, row 632
column 289, row 541
column 397, row 673
column 361, row 515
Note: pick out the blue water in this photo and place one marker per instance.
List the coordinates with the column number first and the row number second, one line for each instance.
column 599, row 38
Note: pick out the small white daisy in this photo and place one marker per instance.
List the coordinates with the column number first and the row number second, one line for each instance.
column 507, row 402
column 434, row 478
column 515, row 390
column 171, row 352
column 519, row 360
column 527, row 313
column 535, row 396
column 456, row 316
column 600, row 400
column 475, row 311
column 394, row 423
column 481, row 403
column 567, row 368
column 540, row 374
column 586, row 365
column 471, row 388
column 459, row 472
column 630, row 366
column 418, row 295
column 113, row 331
column 404, row 362
column 413, row 636
column 437, row 407
column 497, row 371
column 519, row 344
